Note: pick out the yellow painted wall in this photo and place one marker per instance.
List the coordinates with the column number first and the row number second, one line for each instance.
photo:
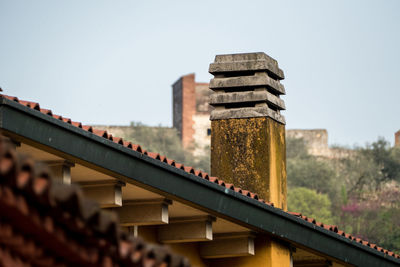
column 268, row 253
column 251, row 154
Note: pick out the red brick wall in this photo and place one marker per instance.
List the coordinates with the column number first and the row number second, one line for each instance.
column 189, row 98
column 397, row 138
column 188, row 108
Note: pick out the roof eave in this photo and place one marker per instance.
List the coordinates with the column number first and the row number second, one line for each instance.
column 88, row 149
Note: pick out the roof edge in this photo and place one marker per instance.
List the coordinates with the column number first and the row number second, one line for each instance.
column 136, row 167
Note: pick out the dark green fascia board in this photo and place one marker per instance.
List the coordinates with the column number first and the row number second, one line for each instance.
column 180, row 185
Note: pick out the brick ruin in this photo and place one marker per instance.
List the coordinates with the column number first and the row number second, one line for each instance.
column 191, row 117
column 191, row 113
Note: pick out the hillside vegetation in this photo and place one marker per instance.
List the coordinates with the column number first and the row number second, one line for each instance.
column 360, row 194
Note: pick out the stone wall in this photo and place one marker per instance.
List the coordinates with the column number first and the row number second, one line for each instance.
column 317, row 143
column 315, row 139
column 202, row 133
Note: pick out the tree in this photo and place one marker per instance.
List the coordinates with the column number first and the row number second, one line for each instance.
column 376, row 218
column 371, row 167
column 311, row 204
column 371, row 206
column 304, row 170
column 166, row 141
column 362, row 189
column 163, row 140
column 296, row 148
column 386, row 158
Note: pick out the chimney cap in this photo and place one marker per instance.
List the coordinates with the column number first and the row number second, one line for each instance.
column 246, row 86
column 246, row 62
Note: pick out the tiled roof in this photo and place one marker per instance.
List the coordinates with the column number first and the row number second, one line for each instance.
column 135, row 147
column 191, row 170
column 334, row 228
column 43, row 223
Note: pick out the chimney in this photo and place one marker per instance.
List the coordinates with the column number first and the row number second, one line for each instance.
column 248, row 145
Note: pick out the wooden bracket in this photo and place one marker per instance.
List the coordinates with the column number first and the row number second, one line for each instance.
column 228, row 245
column 187, row 229
column 144, row 212
column 61, row 170
column 108, row 193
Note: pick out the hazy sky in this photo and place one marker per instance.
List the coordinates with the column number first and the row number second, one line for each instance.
column 112, row 62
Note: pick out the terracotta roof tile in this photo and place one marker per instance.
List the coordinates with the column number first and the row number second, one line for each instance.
column 171, row 162
column 238, row 189
column 154, row 155
column 44, row 223
column 46, row 111
column 230, row 186
column 188, row 169
column 86, row 128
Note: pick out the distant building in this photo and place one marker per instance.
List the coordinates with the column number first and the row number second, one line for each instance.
column 191, row 112
column 191, row 117
column 397, row 138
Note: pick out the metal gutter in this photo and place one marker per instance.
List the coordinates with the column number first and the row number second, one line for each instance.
column 88, row 149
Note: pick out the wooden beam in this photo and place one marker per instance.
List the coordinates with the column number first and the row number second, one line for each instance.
column 303, row 258
column 61, row 170
column 131, row 229
column 187, row 229
column 144, row 212
column 108, row 193
column 15, row 144
column 228, row 245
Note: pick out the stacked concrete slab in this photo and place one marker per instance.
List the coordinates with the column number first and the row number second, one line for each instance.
column 246, row 86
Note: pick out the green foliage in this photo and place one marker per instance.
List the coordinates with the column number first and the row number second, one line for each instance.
column 310, row 203
column 363, row 189
column 370, row 167
column 386, row 159
column 386, row 229
column 166, row 141
column 304, row 170
column 296, row 148
column 311, row 173
column 344, row 196
column 376, row 218
column 159, row 139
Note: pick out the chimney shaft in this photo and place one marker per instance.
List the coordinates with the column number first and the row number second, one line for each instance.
column 248, row 145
